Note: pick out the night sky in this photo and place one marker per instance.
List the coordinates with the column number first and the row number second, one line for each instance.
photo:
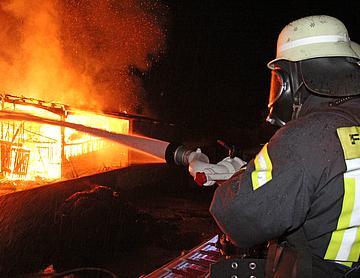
column 213, row 73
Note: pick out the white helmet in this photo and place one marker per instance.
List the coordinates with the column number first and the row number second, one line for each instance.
column 314, row 57
column 356, row 47
column 313, row 37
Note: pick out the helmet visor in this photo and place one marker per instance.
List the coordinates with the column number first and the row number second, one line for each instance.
column 277, row 86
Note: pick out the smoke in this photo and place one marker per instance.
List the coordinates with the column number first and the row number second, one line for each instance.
column 80, row 52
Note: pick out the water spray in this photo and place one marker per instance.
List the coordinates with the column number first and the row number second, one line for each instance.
column 204, row 173
column 153, row 147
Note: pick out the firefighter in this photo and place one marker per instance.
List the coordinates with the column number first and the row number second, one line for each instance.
column 306, row 179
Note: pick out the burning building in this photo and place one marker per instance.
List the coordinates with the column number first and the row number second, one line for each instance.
column 38, row 151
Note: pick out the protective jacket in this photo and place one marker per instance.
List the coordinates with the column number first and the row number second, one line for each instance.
column 307, row 176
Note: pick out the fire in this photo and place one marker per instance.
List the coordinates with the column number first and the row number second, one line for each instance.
column 33, row 151
column 79, row 53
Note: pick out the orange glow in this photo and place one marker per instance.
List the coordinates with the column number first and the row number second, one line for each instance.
column 33, row 151
column 79, row 52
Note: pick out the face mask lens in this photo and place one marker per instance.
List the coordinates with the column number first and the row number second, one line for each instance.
column 277, row 86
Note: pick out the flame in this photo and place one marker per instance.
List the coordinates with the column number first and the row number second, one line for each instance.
column 37, row 151
column 80, row 52
column 77, row 143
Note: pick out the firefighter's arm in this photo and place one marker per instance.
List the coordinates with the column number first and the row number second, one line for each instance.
column 263, row 202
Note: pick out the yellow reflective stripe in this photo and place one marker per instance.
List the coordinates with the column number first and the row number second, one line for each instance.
column 352, row 246
column 344, row 245
column 255, row 182
column 337, row 236
column 263, row 168
column 355, row 250
column 350, row 141
column 334, row 245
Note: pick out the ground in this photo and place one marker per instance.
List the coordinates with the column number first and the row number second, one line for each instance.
column 128, row 221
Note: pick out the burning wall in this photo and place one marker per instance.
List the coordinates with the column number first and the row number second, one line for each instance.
column 32, row 151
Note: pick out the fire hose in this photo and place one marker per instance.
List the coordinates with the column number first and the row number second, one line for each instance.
column 204, row 173
column 199, row 167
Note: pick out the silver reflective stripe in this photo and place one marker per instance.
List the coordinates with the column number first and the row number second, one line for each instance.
column 313, row 40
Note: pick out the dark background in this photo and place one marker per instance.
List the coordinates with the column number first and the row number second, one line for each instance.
column 211, row 83
column 212, row 80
